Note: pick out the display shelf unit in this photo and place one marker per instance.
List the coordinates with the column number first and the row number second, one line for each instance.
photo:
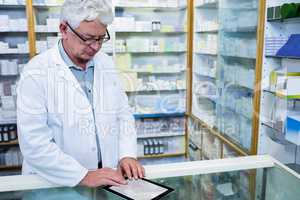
column 43, row 22
column 14, row 53
column 145, row 52
column 163, row 155
column 13, row 167
column 234, row 71
column 11, row 143
column 205, row 30
column 277, row 105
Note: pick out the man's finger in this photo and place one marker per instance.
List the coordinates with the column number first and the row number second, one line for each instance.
column 140, row 171
column 134, row 170
column 127, row 170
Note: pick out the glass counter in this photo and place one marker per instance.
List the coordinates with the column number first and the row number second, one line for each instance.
column 213, row 179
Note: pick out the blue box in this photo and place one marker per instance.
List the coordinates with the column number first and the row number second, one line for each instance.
column 293, row 129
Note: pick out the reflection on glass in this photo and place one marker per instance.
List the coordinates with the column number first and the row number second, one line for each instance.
column 229, row 72
column 273, row 183
column 237, row 42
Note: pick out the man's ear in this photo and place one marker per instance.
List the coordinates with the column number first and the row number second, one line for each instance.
column 63, row 28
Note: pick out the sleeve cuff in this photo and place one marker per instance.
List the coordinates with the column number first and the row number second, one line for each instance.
column 81, row 175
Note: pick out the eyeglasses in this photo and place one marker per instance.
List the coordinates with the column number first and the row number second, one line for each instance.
column 91, row 41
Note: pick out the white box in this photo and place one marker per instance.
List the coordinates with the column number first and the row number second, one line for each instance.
column 11, row 2
column 8, row 103
column 41, row 28
column 4, row 21
column 22, row 23
column 124, row 24
column 143, row 26
column 23, row 48
column 9, row 67
column 53, row 24
column 1, row 90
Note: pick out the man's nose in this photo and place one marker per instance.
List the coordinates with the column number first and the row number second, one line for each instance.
column 96, row 45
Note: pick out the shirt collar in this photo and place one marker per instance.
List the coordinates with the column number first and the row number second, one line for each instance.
column 67, row 59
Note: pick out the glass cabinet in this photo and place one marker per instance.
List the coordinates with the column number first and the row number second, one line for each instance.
column 204, row 98
column 215, row 179
column 224, row 79
column 236, row 74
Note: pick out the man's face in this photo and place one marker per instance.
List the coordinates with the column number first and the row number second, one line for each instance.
column 74, row 39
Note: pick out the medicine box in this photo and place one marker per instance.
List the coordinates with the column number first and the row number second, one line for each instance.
column 293, row 128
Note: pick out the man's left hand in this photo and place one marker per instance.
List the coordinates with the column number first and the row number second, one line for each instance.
column 131, row 168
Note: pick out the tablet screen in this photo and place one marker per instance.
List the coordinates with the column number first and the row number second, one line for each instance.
column 141, row 189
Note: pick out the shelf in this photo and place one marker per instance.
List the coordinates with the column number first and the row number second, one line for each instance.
column 12, row 167
column 175, row 71
column 207, row 5
column 43, row 5
column 207, row 31
column 213, row 99
column 289, row 20
column 280, row 95
column 152, row 32
column 238, row 56
column 156, row 7
column 162, row 155
column 158, row 90
column 249, row 29
column 281, row 57
column 11, row 51
column 284, row 95
column 10, row 121
column 154, row 52
column 205, row 53
column 4, row 5
column 158, row 115
column 205, row 75
column 161, row 134
column 230, row 83
column 243, row 9
column 271, row 126
column 11, row 143
column 13, row 31
column 276, row 135
column 10, row 75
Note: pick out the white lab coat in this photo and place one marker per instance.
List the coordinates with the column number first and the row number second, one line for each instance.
column 56, row 125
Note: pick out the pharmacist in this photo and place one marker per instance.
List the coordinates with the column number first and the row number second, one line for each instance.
column 74, row 122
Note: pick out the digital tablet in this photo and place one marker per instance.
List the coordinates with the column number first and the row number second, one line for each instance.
column 141, row 189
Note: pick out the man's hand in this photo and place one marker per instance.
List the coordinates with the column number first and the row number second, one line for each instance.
column 131, row 168
column 103, row 176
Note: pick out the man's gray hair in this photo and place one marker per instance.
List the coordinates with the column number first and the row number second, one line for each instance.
column 76, row 11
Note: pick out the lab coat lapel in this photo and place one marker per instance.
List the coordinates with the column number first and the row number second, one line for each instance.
column 71, row 90
column 66, row 71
